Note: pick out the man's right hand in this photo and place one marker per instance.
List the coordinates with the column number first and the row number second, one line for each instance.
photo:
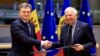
column 46, row 44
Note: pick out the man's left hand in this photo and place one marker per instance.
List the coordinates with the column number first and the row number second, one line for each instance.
column 78, row 47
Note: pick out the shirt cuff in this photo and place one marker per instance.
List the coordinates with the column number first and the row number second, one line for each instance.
column 42, row 43
column 43, row 49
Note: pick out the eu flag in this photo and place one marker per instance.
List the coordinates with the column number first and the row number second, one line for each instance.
column 65, row 5
column 49, row 25
column 85, row 16
column 56, row 17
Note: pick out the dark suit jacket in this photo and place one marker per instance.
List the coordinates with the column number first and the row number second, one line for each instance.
column 82, row 35
column 22, row 41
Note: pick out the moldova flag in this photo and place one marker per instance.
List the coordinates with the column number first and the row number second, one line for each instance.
column 34, row 20
column 49, row 25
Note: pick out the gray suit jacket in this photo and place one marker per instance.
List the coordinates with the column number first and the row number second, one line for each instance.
column 82, row 35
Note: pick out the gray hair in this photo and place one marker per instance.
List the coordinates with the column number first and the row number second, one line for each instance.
column 71, row 8
column 24, row 5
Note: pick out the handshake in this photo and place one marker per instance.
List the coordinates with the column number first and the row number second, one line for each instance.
column 46, row 44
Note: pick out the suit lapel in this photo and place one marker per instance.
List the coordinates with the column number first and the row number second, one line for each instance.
column 25, row 27
column 64, row 32
column 32, row 30
column 77, row 28
column 22, row 24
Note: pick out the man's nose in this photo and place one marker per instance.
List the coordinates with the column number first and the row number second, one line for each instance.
column 26, row 13
column 68, row 16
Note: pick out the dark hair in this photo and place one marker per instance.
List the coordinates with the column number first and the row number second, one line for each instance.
column 24, row 5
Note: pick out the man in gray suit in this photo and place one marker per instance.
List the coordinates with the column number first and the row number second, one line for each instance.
column 76, row 34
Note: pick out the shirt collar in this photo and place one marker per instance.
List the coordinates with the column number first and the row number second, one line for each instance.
column 74, row 24
column 25, row 21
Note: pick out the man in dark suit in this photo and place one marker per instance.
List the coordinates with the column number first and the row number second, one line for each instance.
column 23, row 34
column 75, row 34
